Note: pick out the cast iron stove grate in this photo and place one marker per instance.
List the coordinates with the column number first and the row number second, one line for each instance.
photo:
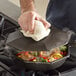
column 7, row 25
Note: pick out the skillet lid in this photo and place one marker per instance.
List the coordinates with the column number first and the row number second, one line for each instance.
column 56, row 38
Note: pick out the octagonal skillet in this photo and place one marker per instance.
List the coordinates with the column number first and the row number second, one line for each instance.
column 56, row 38
column 41, row 66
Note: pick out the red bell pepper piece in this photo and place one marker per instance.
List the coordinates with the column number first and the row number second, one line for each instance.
column 19, row 53
column 26, row 52
column 56, row 58
column 40, row 55
column 32, row 59
column 61, row 53
column 64, row 53
column 44, row 57
column 48, row 60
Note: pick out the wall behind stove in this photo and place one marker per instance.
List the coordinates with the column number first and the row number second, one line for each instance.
column 12, row 7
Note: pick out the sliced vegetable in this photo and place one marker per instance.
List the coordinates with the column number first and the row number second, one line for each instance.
column 63, row 48
column 26, row 53
column 32, row 59
column 43, row 56
column 57, row 56
column 64, row 53
column 20, row 53
column 48, row 60
column 43, row 60
column 61, row 53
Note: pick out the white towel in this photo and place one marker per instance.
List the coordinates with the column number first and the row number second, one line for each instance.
column 40, row 31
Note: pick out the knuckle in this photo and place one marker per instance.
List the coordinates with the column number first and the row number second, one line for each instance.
column 31, row 13
column 18, row 19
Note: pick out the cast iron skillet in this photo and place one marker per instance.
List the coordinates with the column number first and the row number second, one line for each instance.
column 43, row 66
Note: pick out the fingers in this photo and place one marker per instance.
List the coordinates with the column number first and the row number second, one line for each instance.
column 22, row 23
column 31, row 23
column 27, row 21
column 46, row 24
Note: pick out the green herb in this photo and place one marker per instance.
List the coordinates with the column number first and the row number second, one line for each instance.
column 63, row 48
column 43, row 60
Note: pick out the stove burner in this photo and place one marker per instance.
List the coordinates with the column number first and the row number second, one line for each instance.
column 39, row 73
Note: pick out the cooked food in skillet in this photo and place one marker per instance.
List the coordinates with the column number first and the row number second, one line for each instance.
column 43, row 56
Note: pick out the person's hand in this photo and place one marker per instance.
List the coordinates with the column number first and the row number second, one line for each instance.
column 27, row 19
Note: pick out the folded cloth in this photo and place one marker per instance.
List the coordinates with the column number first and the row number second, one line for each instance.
column 40, row 31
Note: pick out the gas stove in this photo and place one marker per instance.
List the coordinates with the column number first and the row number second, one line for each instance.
column 9, row 66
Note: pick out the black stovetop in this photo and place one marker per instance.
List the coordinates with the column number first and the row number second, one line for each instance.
column 10, row 66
